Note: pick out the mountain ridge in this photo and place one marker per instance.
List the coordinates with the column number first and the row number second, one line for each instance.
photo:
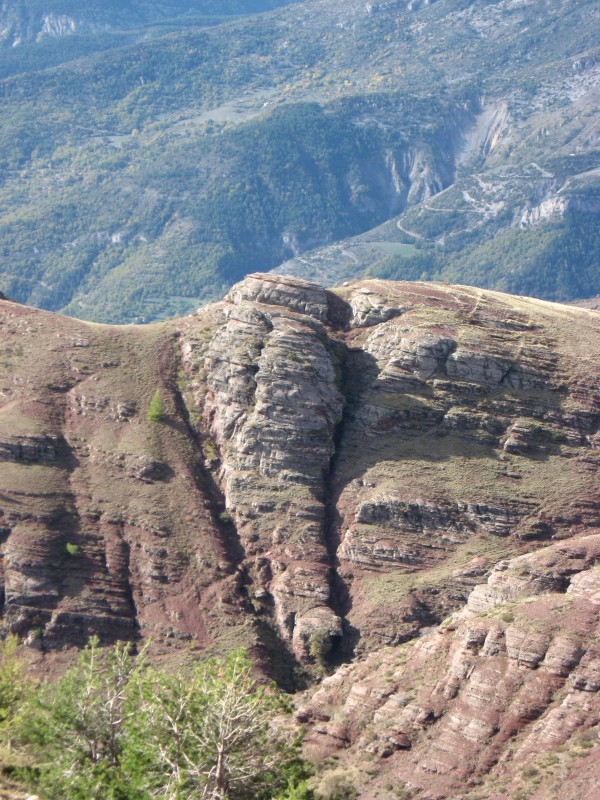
column 336, row 477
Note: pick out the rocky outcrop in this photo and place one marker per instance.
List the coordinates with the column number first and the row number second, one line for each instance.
column 557, row 206
column 461, row 413
column 369, row 308
column 437, row 448
column 548, row 571
column 271, row 406
column 33, row 449
column 438, row 714
column 56, row 26
column 339, row 468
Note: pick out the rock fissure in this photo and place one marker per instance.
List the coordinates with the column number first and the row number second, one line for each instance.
column 337, row 473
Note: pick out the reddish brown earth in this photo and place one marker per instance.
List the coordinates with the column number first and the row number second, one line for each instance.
column 400, row 476
column 502, row 700
column 81, row 465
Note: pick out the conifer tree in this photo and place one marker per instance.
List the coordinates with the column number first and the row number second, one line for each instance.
column 115, row 728
column 156, row 409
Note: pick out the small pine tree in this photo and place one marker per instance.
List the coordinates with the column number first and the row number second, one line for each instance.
column 156, row 409
column 115, row 728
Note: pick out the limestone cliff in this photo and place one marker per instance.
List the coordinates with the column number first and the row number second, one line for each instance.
column 338, row 473
column 379, row 447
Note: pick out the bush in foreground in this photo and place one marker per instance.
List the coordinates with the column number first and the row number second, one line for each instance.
column 115, row 728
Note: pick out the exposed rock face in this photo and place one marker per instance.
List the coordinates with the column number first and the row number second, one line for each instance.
column 272, row 406
column 464, row 434
column 33, row 449
column 463, row 415
column 336, row 468
column 439, row 713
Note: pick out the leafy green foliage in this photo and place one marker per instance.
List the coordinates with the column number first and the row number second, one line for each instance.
column 79, row 727
column 300, row 175
column 15, row 689
column 213, row 728
column 114, row 728
column 156, row 409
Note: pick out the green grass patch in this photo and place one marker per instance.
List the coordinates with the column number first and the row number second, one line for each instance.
column 397, row 249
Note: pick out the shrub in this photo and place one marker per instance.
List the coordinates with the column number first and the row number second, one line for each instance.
column 156, row 409
column 15, row 688
column 337, row 785
column 210, row 449
column 319, row 647
column 114, row 728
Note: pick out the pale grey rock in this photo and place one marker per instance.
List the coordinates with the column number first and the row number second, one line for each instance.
column 34, row 449
column 272, row 405
column 273, row 290
column 369, row 308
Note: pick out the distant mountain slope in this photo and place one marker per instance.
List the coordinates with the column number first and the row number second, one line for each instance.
column 141, row 181
column 37, row 35
column 32, row 20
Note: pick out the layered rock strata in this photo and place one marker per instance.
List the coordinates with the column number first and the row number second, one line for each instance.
column 380, row 446
column 501, row 701
column 340, row 468
column 271, row 405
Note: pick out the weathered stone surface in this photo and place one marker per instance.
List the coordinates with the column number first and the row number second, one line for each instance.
column 272, row 290
column 549, row 571
column 440, row 712
column 337, row 471
column 272, row 405
column 369, row 308
column 421, row 461
column 33, row 449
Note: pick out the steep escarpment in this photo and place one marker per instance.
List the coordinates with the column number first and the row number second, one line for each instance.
column 381, row 447
column 336, row 471
column 471, row 432
column 271, row 404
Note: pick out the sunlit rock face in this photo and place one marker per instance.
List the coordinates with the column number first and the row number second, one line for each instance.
column 336, row 469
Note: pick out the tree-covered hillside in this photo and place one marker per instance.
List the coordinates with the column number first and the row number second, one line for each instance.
column 144, row 167
column 26, row 20
column 37, row 34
